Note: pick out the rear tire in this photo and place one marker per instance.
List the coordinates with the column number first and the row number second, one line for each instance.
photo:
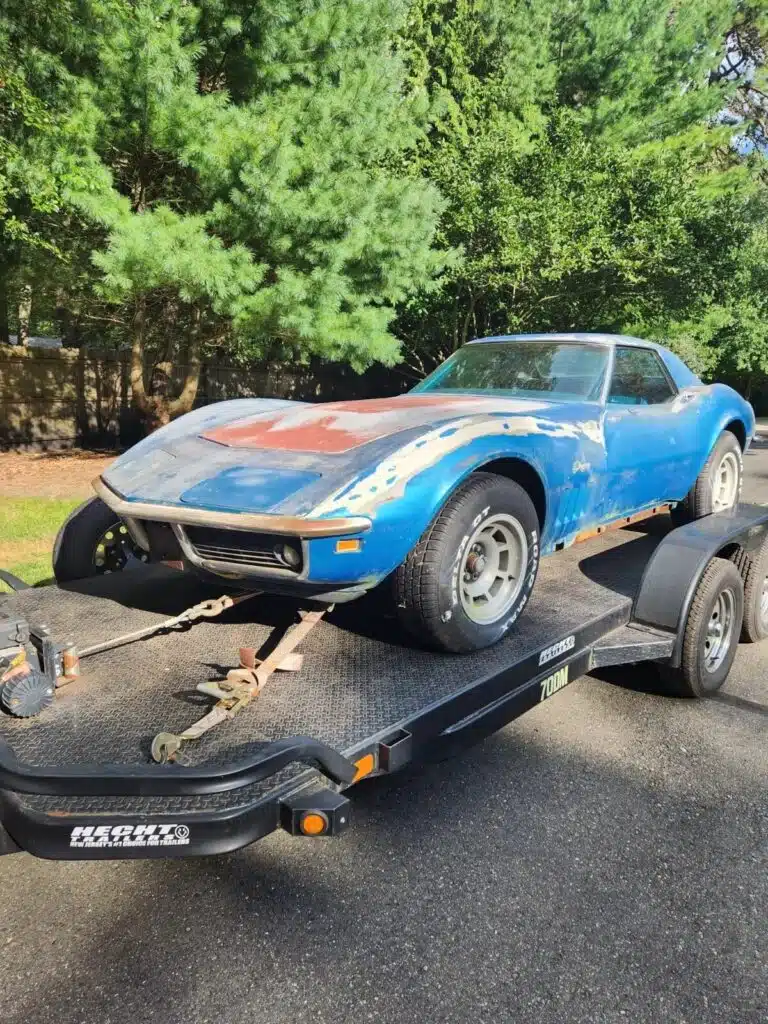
column 754, row 573
column 76, row 553
column 718, row 485
column 471, row 573
column 711, row 636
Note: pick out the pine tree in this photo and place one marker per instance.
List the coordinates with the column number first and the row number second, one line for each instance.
column 592, row 181
column 259, row 196
column 45, row 141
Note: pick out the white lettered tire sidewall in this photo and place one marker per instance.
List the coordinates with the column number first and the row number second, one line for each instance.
column 450, row 605
column 430, row 603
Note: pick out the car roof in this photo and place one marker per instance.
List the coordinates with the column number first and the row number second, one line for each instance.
column 592, row 338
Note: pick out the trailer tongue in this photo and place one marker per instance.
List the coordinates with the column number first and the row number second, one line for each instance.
column 80, row 782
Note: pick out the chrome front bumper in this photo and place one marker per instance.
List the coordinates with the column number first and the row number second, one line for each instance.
column 135, row 513
column 289, row 526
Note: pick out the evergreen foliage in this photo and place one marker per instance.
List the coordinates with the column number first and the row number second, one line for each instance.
column 593, row 180
column 365, row 180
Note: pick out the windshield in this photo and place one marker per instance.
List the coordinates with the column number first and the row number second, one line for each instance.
column 534, row 369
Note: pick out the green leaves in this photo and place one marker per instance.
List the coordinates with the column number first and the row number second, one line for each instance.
column 591, row 183
column 259, row 151
column 358, row 178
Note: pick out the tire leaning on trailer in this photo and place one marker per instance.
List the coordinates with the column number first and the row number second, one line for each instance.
column 91, row 542
column 712, row 631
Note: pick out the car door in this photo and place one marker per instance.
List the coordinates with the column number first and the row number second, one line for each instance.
column 650, row 433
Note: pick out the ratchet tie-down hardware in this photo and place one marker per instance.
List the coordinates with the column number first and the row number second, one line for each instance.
column 241, row 686
column 33, row 666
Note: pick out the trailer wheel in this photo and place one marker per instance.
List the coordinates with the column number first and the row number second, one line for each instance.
column 93, row 542
column 718, row 485
column 754, row 573
column 712, row 630
column 471, row 573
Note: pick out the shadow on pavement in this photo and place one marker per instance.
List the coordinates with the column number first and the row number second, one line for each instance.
column 525, row 881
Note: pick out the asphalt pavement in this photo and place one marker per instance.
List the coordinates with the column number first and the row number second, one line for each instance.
column 602, row 859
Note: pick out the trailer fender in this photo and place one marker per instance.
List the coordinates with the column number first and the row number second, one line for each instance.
column 675, row 569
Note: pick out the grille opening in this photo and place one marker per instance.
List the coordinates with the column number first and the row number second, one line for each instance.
column 250, row 550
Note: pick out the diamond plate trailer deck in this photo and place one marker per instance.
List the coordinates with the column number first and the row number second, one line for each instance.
column 78, row 782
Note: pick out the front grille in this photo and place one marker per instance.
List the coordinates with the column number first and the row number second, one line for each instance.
column 236, row 547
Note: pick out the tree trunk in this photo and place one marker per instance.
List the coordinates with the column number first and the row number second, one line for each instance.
column 5, row 337
column 188, row 393
column 157, row 409
column 462, row 340
column 139, row 394
column 25, row 311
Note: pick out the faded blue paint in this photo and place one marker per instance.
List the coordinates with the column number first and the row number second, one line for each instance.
column 238, row 488
column 597, row 462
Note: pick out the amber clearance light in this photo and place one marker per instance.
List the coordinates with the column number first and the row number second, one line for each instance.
column 364, row 765
column 313, row 823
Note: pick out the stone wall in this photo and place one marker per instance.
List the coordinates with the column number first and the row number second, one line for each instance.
column 65, row 397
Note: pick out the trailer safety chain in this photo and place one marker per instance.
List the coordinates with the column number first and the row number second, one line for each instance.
column 241, row 686
column 204, row 610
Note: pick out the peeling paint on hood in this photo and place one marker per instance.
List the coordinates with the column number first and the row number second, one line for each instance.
column 338, row 427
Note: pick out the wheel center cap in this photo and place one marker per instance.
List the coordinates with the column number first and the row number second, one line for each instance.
column 475, row 563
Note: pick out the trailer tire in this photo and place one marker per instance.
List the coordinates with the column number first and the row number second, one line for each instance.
column 754, row 574
column 712, row 629
column 75, row 551
column 445, row 591
column 702, row 499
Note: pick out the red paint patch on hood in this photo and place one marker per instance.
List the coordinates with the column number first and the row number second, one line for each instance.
column 337, row 427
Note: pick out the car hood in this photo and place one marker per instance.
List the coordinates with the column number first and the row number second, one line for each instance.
column 291, row 458
column 337, row 428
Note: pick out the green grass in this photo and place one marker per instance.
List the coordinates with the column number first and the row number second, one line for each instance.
column 32, row 518
column 28, row 528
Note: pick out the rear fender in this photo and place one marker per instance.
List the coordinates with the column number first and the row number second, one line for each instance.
column 678, row 563
column 731, row 406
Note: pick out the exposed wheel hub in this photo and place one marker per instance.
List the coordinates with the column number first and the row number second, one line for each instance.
column 476, row 563
column 115, row 550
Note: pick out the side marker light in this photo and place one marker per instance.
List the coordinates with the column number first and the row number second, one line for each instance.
column 313, row 823
column 348, row 545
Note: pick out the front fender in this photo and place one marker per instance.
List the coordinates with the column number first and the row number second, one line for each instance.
column 403, row 494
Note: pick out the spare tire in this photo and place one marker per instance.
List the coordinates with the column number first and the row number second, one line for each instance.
column 92, row 542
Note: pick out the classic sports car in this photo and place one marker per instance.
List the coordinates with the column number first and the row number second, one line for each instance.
column 514, row 448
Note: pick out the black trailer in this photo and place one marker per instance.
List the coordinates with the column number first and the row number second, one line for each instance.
column 78, row 781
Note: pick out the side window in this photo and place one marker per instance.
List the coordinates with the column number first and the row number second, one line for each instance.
column 638, row 378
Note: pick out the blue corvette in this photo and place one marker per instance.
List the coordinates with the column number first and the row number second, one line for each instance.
column 513, row 448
